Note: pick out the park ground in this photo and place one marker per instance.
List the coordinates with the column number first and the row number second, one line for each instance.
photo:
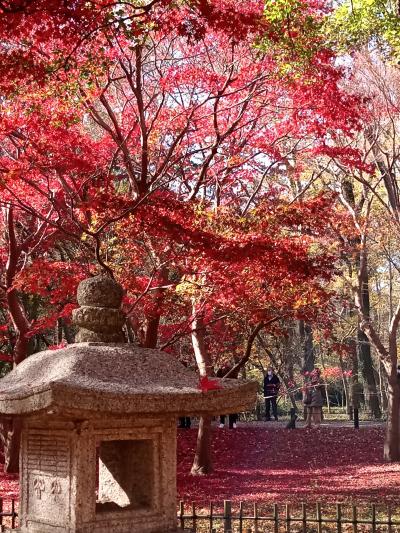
column 266, row 462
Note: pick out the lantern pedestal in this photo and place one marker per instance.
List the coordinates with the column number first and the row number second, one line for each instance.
column 98, row 476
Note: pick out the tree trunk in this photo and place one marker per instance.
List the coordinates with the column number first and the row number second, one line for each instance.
column 307, row 343
column 11, row 429
column 364, row 346
column 367, row 372
column 328, row 403
column 346, row 407
column 391, row 448
column 11, row 437
column 383, row 387
column 151, row 333
column 153, row 320
column 306, row 336
column 202, row 463
column 354, row 378
column 67, row 331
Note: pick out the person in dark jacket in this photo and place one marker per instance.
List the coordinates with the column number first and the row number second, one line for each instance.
column 271, row 389
column 184, row 422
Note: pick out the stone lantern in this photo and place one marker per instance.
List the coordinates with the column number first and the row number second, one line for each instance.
column 98, row 451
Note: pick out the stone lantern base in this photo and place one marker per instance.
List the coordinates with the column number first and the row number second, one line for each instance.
column 98, row 476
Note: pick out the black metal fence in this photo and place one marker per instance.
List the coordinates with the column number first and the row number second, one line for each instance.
column 296, row 518
column 243, row 517
column 8, row 514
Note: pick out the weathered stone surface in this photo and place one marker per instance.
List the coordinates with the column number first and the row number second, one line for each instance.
column 98, row 319
column 86, row 335
column 91, row 379
column 107, row 408
column 136, row 484
column 100, row 291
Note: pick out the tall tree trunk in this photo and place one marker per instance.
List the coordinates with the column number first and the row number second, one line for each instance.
column 383, row 387
column 202, row 463
column 354, row 378
column 151, row 332
column 153, row 320
column 328, row 403
column 364, row 346
column 390, row 361
column 392, row 439
column 307, row 343
column 367, row 372
column 10, row 429
column 306, row 336
column 345, row 402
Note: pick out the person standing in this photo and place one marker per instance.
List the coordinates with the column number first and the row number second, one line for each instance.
column 314, row 399
column 233, row 418
column 184, row 422
column 271, row 389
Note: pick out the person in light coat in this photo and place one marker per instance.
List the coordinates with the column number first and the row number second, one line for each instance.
column 313, row 399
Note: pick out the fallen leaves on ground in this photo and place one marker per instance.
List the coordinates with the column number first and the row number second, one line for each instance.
column 276, row 464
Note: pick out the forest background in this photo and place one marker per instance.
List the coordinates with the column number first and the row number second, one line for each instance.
column 234, row 167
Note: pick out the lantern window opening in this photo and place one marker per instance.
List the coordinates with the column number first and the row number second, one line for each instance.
column 125, row 475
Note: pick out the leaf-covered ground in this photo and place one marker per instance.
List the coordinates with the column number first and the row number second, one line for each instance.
column 275, row 464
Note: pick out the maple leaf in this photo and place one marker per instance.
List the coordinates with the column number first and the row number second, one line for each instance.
column 206, row 384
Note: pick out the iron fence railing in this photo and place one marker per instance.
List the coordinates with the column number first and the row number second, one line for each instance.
column 287, row 518
column 8, row 514
column 242, row 517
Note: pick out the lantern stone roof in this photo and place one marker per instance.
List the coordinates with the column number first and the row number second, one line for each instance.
column 100, row 374
column 102, row 378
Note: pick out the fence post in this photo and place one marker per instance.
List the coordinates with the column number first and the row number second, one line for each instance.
column 354, row 519
column 373, row 512
column 287, row 518
column 255, row 518
column 194, row 517
column 276, row 518
column 390, row 530
column 181, row 513
column 13, row 514
column 227, row 515
column 319, row 518
column 240, row 517
column 304, row 516
column 339, row 518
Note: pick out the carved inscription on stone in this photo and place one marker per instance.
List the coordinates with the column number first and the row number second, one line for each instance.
column 48, row 472
column 39, row 486
column 55, row 489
